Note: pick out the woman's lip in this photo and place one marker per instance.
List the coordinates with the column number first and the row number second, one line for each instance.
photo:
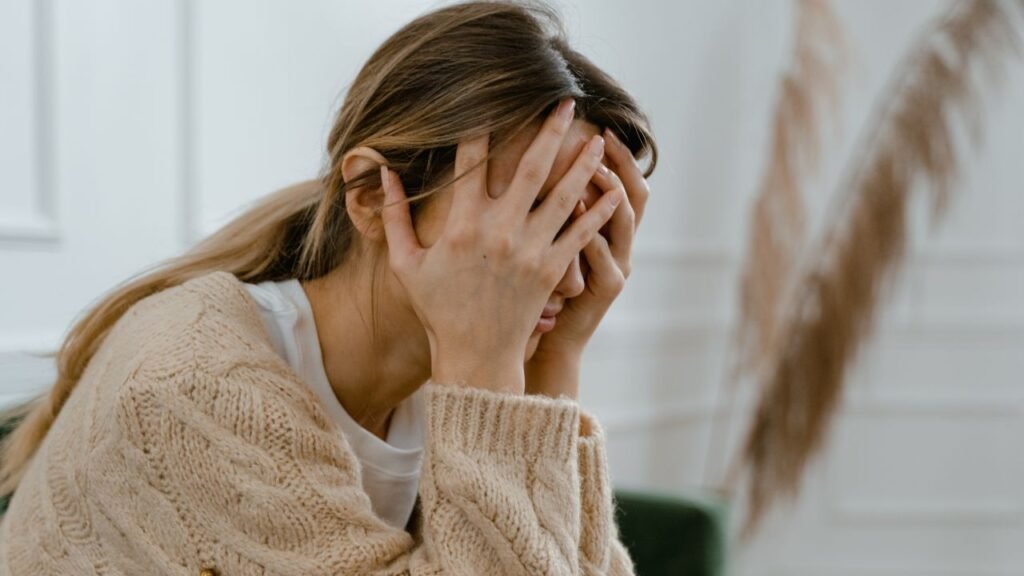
column 550, row 312
column 545, row 324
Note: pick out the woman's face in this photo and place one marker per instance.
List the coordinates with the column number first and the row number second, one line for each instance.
column 500, row 170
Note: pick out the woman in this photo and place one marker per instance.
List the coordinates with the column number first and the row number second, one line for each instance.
column 374, row 372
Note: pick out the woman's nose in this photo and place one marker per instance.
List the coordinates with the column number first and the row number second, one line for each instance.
column 571, row 284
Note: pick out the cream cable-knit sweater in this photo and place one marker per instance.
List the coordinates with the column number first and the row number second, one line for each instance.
column 190, row 445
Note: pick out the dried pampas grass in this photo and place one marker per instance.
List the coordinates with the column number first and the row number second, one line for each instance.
column 912, row 142
column 808, row 93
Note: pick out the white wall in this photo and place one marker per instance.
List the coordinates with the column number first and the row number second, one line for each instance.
column 130, row 127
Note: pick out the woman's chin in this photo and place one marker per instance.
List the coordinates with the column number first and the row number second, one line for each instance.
column 531, row 346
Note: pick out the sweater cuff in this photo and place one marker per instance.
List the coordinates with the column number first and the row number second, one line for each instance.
column 526, row 428
column 596, row 498
column 593, row 461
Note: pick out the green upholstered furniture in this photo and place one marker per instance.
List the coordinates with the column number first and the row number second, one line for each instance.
column 5, row 427
column 671, row 534
column 665, row 535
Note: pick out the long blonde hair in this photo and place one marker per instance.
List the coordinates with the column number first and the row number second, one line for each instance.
column 454, row 73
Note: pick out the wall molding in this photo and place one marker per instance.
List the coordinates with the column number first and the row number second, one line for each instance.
column 942, row 325
column 24, row 376
column 991, row 512
column 977, row 509
column 617, row 420
column 833, row 570
column 190, row 228
column 685, row 252
column 918, row 404
column 42, row 225
column 7, row 400
column 30, row 228
column 32, row 343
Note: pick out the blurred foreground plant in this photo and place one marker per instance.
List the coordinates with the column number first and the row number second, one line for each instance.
column 799, row 343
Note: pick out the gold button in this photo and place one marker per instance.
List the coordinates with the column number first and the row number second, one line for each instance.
column 207, row 572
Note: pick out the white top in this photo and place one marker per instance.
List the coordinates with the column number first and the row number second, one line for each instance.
column 390, row 469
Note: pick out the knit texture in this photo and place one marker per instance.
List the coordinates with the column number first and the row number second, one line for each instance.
column 190, row 444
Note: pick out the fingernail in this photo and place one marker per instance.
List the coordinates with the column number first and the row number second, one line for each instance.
column 611, row 136
column 383, row 175
column 602, row 169
column 581, row 208
column 596, row 146
column 565, row 109
column 616, row 200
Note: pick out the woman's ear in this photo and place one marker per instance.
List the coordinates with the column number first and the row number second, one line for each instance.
column 363, row 203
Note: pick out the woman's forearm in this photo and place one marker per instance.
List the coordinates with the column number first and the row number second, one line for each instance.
column 554, row 377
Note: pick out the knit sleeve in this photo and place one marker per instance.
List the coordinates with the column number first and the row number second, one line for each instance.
column 601, row 551
column 237, row 473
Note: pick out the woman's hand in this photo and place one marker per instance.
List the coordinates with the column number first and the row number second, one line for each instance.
column 554, row 368
column 481, row 286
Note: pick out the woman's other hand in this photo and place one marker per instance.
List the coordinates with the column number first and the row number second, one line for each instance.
column 554, row 368
column 481, row 286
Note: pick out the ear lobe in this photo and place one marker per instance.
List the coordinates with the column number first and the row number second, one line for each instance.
column 363, row 203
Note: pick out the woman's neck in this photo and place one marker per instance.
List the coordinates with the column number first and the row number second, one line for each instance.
column 368, row 377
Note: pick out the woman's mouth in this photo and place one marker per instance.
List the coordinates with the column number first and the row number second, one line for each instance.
column 547, row 319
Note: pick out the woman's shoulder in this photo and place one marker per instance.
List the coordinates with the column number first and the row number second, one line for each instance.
column 212, row 296
column 205, row 332
column 205, row 336
column 209, row 321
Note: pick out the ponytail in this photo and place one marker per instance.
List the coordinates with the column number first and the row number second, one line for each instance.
column 263, row 243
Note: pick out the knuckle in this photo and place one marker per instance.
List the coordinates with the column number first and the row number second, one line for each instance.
column 397, row 261
column 630, row 214
column 645, row 189
column 565, row 201
column 529, row 265
column 617, row 283
column 502, row 245
column 558, row 128
column 533, row 175
column 551, row 275
column 609, row 208
column 462, row 236
column 469, row 160
column 615, row 178
column 581, row 236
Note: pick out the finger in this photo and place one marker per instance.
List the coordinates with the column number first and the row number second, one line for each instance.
column 605, row 271
column 622, row 227
column 535, row 165
column 470, row 188
column 557, row 206
column 583, row 229
column 398, row 230
column 637, row 189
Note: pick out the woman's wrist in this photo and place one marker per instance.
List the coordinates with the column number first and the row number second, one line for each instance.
column 554, row 375
column 495, row 374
